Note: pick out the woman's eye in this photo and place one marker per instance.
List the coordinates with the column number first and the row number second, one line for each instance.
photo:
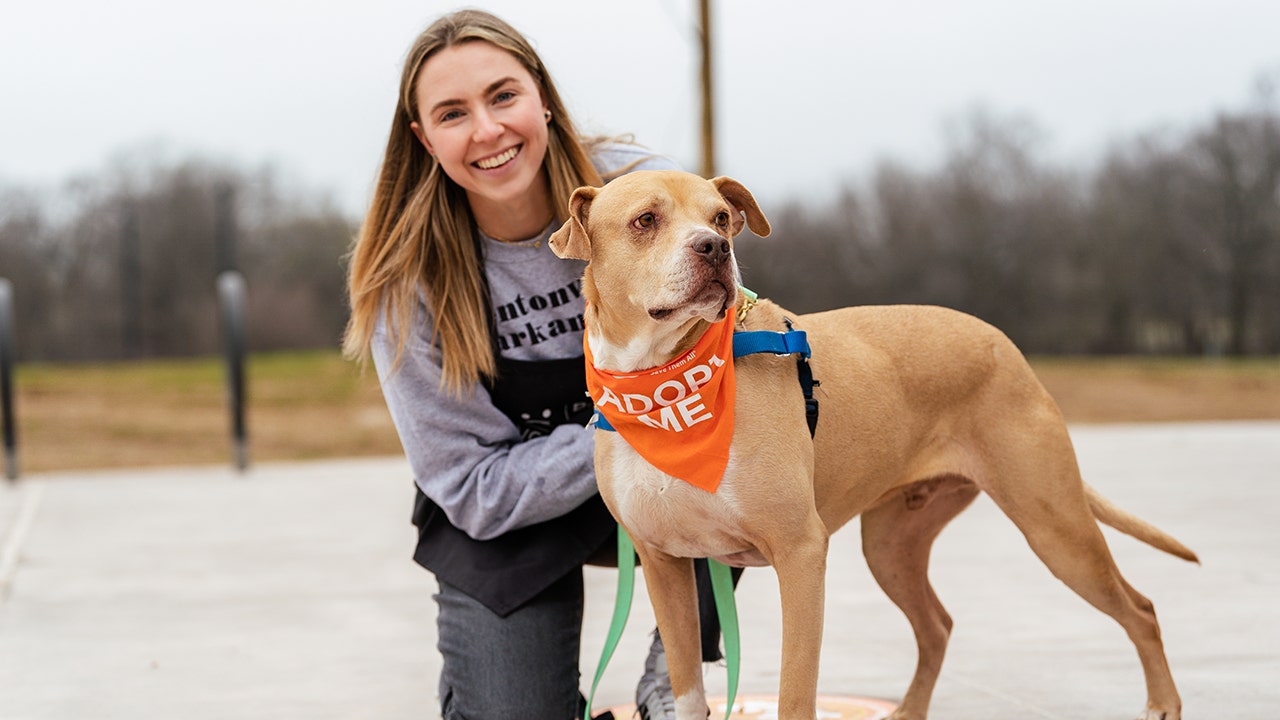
column 722, row 219
column 645, row 221
column 504, row 96
column 451, row 115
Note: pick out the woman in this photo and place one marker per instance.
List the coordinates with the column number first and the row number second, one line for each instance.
column 475, row 328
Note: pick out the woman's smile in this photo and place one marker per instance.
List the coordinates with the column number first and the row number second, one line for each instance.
column 495, row 161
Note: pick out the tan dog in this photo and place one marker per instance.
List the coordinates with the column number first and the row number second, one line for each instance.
column 922, row 408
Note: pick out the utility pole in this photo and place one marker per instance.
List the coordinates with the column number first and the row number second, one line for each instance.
column 708, row 112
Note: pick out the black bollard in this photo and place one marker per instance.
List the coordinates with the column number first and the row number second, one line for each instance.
column 7, row 415
column 231, row 300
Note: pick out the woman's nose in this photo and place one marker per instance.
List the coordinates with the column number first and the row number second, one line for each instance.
column 487, row 128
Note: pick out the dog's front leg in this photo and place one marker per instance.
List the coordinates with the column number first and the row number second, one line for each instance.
column 801, row 563
column 673, row 593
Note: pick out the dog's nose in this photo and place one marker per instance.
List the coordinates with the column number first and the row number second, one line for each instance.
column 712, row 248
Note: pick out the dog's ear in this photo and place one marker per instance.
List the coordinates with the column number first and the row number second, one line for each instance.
column 742, row 201
column 571, row 241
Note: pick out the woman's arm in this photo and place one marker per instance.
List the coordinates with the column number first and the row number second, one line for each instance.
column 467, row 456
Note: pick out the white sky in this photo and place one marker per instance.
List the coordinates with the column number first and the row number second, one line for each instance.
column 810, row 92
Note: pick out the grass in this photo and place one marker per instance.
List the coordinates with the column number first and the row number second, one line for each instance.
column 1110, row 390
column 310, row 405
column 300, row 406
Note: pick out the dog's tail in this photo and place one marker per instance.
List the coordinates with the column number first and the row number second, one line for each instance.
column 1109, row 514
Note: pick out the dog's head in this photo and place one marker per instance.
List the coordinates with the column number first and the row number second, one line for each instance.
column 659, row 244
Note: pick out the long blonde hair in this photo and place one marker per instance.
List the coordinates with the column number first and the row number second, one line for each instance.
column 418, row 235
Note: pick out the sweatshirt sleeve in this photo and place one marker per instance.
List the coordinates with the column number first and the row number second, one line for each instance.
column 616, row 157
column 468, row 457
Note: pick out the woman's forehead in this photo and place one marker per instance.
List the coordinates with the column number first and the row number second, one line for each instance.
column 468, row 68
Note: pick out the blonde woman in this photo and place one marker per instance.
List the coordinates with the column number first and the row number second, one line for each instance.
column 475, row 328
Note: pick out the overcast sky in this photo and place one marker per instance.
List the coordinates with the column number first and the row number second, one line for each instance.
column 810, row 92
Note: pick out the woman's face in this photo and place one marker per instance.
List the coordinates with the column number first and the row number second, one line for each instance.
column 482, row 117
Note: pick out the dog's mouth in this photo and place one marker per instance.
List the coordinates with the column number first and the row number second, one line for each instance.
column 709, row 295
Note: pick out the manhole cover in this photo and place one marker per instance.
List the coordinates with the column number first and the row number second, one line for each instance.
column 765, row 707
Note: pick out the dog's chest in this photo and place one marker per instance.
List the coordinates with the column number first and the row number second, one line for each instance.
column 674, row 516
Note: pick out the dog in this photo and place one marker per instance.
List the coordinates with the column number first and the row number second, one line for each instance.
column 922, row 409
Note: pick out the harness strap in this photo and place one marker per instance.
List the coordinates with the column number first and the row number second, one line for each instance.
column 807, row 383
column 791, row 342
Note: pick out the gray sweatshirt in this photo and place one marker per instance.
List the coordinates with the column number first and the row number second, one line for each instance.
column 466, row 455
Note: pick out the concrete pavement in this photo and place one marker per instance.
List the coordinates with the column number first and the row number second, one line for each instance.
column 288, row 592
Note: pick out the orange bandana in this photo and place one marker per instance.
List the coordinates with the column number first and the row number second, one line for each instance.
column 679, row 417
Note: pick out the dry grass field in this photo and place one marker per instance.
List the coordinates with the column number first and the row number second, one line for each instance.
column 300, row 406
column 315, row 405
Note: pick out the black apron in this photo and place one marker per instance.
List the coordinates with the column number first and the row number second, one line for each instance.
column 508, row 571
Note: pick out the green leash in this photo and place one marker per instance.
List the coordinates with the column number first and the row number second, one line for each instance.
column 726, row 610
column 621, row 608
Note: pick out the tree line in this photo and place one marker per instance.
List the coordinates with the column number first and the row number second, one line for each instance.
column 124, row 264
column 1170, row 245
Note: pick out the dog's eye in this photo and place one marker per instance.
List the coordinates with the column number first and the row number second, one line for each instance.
column 722, row 219
column 645, row 221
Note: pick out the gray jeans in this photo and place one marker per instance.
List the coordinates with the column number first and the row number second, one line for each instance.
column 525, row 666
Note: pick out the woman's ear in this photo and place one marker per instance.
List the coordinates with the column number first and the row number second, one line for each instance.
column 422, row 137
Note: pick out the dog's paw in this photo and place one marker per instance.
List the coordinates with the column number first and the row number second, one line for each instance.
column 1151, row 713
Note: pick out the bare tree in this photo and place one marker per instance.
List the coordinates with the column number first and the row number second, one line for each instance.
column 1151, row 287
column 1237, row 183
column 1170, row 247
column 24, row 262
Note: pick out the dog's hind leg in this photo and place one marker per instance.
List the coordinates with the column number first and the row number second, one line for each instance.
column 1040, row 490
column 897, row 536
